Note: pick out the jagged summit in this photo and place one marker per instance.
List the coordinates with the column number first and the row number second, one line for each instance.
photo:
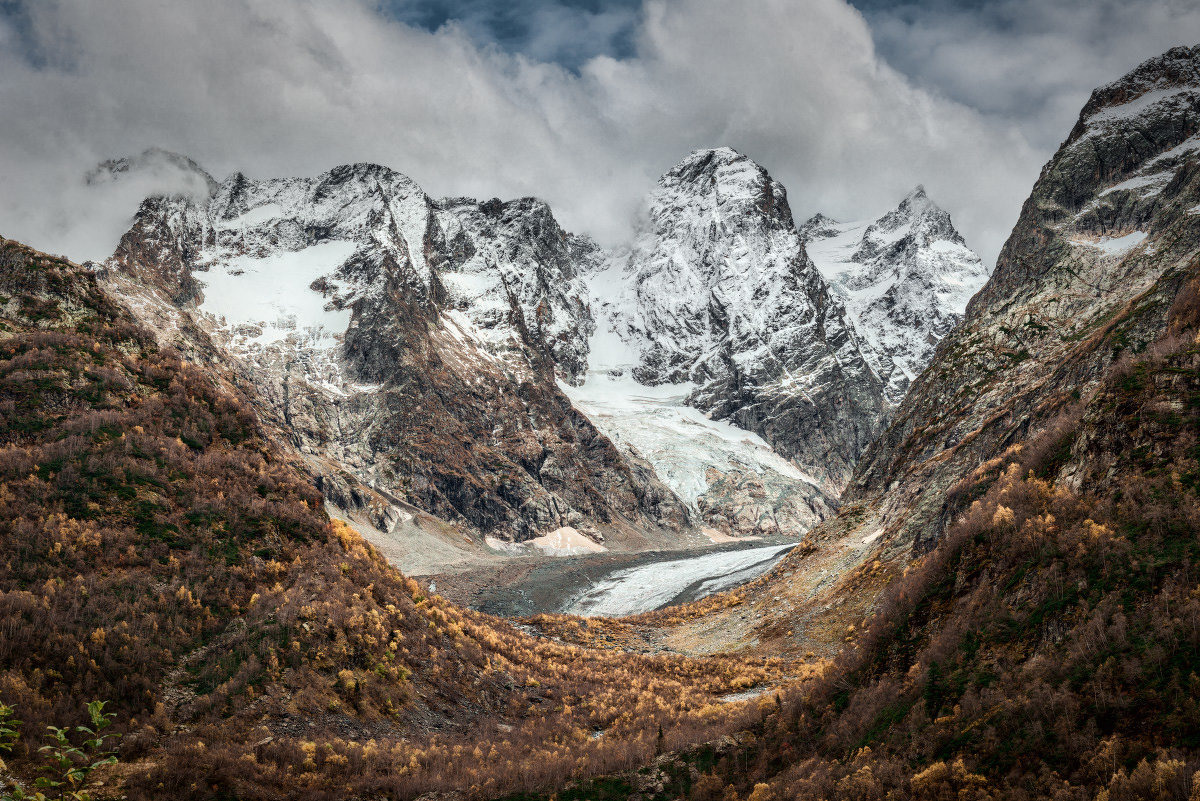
column 716, row 292
column 705, row 162
column 817, row 222
column 905, row 279
column 153, row 161
column 724, row 187
column 384, row 327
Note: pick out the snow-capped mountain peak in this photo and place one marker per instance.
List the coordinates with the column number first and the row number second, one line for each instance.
column 905, row 279
column 717, row 292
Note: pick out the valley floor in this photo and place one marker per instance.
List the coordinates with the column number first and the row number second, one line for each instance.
column 608, row 584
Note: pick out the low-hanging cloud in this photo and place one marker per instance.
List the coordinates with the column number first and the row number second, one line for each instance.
column 1030, row 63
column 285, row 87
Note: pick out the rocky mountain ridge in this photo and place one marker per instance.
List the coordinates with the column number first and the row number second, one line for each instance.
column 1071, row 363
column 905, row 279
column 445, row 356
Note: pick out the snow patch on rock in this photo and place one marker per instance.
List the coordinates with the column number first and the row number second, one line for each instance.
column 272, row 294
column 1113, row 247
column 565, row 541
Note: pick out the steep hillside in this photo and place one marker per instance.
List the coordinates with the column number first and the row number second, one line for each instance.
column 1064, row 310
column 1012, row 593
column 1048, row 646
column 1110, row 223
column 158, row 551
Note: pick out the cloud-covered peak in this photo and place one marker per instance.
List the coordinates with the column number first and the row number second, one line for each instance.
column 721, row 183
column 288, row 87
column 175, row 173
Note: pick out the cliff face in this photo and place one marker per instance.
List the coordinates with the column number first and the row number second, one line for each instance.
column 1101, row 246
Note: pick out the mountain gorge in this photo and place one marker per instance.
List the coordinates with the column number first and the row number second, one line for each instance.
column 160, row 551
column 995, row 596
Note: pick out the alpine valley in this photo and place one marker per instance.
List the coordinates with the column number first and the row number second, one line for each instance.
column 330, row 488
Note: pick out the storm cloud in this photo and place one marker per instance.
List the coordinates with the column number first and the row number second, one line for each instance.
column 294, row 87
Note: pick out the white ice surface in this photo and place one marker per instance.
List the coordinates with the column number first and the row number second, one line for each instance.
column 680, row 442
column 652, row 586
column 259, row 214
column 273, row 292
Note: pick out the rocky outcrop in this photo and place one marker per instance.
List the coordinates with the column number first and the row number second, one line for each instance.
column 512, row 263
column 1090, row 271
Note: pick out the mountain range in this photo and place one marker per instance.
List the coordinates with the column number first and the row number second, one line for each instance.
column 474, row 362
column 217, row 446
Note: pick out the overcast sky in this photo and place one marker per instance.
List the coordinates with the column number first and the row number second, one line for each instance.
column 581, row 102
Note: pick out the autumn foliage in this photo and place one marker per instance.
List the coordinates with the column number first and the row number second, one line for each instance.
column 158, row 551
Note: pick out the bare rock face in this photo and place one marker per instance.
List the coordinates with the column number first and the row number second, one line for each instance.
column 513, row 256
column 408, row 347
column 717, row 290
column 1098, row 255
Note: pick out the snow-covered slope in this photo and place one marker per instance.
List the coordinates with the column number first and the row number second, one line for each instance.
column 730, row 478
column 478, row 362
column 905, row 279
column 290, row 257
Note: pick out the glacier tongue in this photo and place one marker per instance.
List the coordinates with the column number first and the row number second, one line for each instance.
column 728, row 476
column 682, row 443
